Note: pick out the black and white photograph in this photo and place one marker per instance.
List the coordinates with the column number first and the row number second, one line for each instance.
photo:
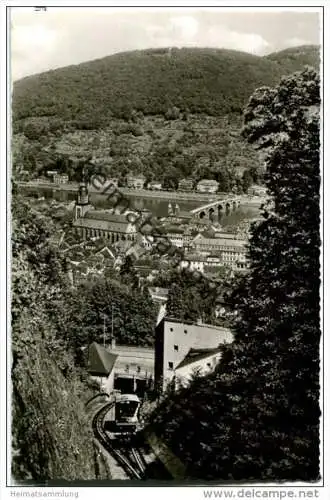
column 165, row 231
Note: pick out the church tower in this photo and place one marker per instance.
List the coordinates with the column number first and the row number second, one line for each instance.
column 82, row 204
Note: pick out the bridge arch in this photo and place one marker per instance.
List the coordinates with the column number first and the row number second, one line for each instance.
column 219, row 207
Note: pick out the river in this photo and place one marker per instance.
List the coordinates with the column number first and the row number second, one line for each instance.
column 157, row 206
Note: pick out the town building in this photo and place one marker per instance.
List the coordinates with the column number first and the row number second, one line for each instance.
column 186, row 185
column 188, row 236
column 201, row 263
column 90, row 257
column 51, row 173
column 145, row 271
column 180, row 216
column 233, row 252
column 89, row 223
column 60, row 178
column 145, row 241
column 175, row 236
column 207, row 186
column 155, row 185
column 176, row 341
column 135, row 182
column 218, row 233
column 193, row 262
column 137, row 251
column 213, row 261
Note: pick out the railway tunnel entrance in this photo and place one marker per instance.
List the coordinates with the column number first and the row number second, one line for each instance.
column 131, row 385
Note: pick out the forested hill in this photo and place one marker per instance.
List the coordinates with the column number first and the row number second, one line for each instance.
column 292, row 59
column 216, row 82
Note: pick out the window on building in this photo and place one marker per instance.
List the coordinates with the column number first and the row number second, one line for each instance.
column 171, row 329
column 127, row 368
column 185, row 331
column 170, row 365
column 176, row 347
column 138, row 369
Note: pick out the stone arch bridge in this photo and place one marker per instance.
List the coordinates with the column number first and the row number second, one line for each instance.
column 215, row 209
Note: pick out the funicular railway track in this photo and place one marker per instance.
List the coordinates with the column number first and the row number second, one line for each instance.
column 139, row 460
column 127, row 456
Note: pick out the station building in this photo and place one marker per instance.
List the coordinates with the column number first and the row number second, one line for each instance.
column 182, row 348
column 129, row 369
column 134, row 368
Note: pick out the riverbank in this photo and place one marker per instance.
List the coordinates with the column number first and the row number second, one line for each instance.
column 155, row 202
column 138, row 193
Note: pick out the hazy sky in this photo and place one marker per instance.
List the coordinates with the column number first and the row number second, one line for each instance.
column 61, row 36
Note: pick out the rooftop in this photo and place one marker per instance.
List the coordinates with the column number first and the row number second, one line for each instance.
column 184, row 214
column 174, row 230
column 122, row 246
column 107, row 216
column 194, row 257
column 136, row 351
column 204, row 325
column 100, row 361
column 228, row 236
column 197, row 355
column 158, row 291
column 221, row 242
column 103, row 225
column 210, row 182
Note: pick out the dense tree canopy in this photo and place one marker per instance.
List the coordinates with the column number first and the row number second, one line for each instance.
column 128, row 274
column 191, row 295
column 52, row 438
column 258, row 414
column 212, row 81
column 137, row 119
column 108, row 305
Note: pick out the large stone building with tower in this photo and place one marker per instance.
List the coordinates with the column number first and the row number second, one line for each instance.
column 89, row 223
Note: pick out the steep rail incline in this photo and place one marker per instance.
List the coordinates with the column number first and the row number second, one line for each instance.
column 130, row 459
